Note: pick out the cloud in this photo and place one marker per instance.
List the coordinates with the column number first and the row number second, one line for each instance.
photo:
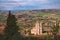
column 28, row 4
column 24, row 2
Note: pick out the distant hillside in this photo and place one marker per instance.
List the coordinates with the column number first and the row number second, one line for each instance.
column 55, row 11
column 50, row 11
column 33, row 11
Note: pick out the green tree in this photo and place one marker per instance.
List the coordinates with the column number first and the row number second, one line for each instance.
column 11, row 28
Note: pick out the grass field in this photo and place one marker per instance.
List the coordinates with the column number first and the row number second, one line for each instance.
column 50, row 15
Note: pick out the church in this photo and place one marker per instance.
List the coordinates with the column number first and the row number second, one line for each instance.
column 37, row 30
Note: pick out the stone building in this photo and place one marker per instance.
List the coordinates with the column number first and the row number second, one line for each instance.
column 37, row 30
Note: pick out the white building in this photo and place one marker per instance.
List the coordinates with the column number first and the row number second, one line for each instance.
column 37, row 29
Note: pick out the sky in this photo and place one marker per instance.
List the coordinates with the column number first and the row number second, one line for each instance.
column 29, row 4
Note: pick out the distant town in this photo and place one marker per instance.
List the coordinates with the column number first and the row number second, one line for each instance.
column 33, row 23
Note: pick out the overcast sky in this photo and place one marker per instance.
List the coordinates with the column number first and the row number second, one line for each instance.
column 29, row 4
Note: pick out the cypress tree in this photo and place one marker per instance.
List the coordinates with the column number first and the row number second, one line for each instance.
column 11, row 27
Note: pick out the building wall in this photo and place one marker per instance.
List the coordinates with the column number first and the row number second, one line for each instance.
column 37, row 29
